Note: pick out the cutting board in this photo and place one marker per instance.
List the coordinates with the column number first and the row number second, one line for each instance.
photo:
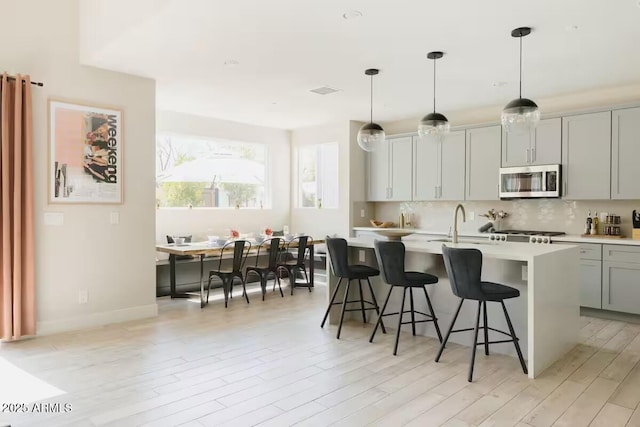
column 601, row 236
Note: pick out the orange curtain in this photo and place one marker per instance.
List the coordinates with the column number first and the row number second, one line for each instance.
column 17, row 283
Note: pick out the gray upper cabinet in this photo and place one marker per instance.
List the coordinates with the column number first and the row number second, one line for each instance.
column 625, row 152
column 586, row 156
column 426, row 168
column 378, row 170
column 389, row 171
column 483, row 163
column 542, row 146
column 452, row 168
column 401, row 174
column 439, row 168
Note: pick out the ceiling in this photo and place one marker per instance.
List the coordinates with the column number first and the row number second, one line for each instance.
column 277, row 51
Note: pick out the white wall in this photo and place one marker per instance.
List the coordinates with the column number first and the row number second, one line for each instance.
column 114, row 263
column 201, row 222
column 320, row 222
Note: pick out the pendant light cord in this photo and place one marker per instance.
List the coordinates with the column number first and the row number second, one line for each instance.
column 371, row 101
column 434, row 85
column 520, row 66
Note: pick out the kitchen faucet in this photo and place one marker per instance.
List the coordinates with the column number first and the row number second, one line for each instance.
column 455, row 222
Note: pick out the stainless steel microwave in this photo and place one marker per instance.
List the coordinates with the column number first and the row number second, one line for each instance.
column 528, row 182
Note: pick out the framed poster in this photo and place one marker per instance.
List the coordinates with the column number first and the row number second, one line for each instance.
column 85, row 153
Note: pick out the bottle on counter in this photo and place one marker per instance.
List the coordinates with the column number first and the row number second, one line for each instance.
column 401, row 220
column 587, row 229
column 596, row 223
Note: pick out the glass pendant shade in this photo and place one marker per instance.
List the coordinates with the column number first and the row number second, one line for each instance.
column 434, row 125
column 370, row 136
column 520, row 116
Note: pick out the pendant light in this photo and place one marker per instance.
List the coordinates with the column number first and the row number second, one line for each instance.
column 434, row 124
column 522, row 114
column 371, row 135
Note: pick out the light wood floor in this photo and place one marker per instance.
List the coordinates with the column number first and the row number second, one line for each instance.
column 270, row 364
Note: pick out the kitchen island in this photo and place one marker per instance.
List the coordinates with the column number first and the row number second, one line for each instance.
column 546, row 316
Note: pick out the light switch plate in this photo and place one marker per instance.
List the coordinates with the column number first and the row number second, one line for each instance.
column 362, row 256
column 472, row 216
column 525, row 272
column 114, row 218
column 361, row 213
column 53, row 218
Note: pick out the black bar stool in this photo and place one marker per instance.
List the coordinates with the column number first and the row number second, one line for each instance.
column 464, row 268
column 339, row 255
column 390, row 255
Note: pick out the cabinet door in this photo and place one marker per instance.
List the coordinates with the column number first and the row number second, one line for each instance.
column 452, row 166
column 625, row 152
column 516, row 148
column 621, row 287
column 483, row 163
column 586, row 156
column 591, row 283
column 401, row 150
column 546, row 144
column 378, row 174
column 426, row 168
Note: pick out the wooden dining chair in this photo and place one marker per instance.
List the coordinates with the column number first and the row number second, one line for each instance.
column 240, row 250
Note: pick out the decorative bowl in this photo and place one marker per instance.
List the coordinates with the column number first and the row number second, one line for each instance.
column 178, row 240
column 381, row 224
column 394, row 233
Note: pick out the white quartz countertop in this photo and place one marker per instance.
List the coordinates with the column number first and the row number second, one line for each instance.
column 568, row 238
column 503, row 250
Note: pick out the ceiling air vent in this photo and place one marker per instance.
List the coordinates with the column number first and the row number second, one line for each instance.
column 325, row 90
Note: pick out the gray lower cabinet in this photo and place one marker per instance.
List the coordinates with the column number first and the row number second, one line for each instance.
column 621, row 278
column 586, row 156
column 483, row 163
column 625, row 152
column 591, row 275
column 591, row 283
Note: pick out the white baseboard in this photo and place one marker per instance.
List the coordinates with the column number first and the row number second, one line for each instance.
column 48, row 327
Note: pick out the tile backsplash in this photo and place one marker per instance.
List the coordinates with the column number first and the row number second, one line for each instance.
column 524, row 214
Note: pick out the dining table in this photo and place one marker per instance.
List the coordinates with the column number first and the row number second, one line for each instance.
column 205, row 249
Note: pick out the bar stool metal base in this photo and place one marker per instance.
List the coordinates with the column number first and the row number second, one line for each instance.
column 482, row 307
column 373, row 304
column 429, row 317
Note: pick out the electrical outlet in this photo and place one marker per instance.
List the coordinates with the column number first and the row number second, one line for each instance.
column 525, row 272
column 361, row 213
column 362, row 256
column 472, row 216
column 83, row 296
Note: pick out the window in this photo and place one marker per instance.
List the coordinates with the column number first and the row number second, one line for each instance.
column 199, row 172
column 318, row 176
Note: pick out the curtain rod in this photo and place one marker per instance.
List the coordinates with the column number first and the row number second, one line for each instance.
column 33, row 83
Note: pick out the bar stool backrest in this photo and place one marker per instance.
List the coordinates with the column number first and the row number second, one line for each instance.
column 464, row 268
column 339, row 255
column 390, row 256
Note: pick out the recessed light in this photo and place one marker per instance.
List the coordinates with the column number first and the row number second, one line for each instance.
column 231, row 63
column 352, row 14
column 571, row 28
column 499, row 84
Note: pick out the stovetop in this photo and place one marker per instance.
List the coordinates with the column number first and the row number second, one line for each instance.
column 530, row 232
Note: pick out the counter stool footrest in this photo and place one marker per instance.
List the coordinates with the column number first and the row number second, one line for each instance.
column 497, row 342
